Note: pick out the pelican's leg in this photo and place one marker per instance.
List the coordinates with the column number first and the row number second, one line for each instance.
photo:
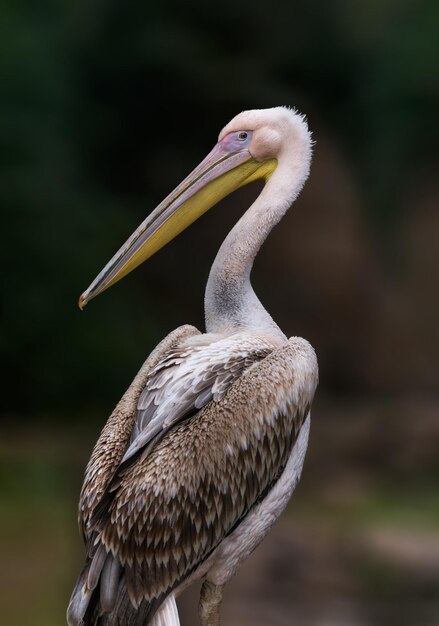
column 210, row 601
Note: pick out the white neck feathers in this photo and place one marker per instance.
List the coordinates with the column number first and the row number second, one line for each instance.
column 231, row 305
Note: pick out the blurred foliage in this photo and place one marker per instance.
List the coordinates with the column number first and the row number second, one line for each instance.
column 105, row 105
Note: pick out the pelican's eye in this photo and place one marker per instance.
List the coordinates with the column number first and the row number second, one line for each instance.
column 237, row 140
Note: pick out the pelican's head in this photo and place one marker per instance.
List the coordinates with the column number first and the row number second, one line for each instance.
column 274, row 132
column 248, row 149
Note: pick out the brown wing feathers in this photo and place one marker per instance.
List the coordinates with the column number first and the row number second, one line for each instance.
column 186, row 380
column 115, row 436
column 172, row 508
column 166, row 511
column 104, row 461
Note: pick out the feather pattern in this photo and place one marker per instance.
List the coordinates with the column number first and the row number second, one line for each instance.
column 190, row 376
column 113, row 441
column 167, row 615
column 167, row 511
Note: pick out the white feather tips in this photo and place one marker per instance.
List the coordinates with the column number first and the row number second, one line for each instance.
column 167, row 615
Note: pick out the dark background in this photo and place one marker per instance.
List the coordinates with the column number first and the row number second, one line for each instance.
column 104, row 108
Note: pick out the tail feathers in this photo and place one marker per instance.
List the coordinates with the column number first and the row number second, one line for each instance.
column 80, row 600
column 101, row 598
column 167, row 615
column 110, row 577
column 96, row 589
column 124, row 613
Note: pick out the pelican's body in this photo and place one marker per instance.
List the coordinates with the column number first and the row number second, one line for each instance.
column 204, row 450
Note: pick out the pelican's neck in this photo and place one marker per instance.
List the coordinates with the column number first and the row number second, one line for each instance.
column 231, row 305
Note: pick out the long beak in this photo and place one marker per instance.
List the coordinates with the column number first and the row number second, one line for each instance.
column 220, row 173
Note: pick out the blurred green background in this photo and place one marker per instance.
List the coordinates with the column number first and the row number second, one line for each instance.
column 105, row 106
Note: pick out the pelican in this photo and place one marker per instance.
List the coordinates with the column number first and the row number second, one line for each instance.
column 202, row 453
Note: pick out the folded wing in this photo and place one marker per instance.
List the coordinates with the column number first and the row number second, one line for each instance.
column 166, row 511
